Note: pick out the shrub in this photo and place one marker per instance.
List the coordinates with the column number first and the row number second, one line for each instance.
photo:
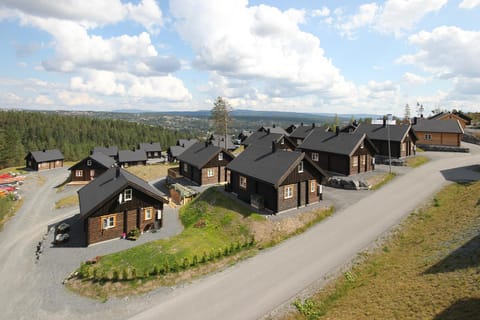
column 185, row 263
column 115, row 275
column 125, row 274
column 204, row 257
column 194, row 260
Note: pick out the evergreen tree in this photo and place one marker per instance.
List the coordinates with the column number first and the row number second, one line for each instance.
column 221, row 117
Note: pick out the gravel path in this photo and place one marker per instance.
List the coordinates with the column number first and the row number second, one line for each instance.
column 32, row 289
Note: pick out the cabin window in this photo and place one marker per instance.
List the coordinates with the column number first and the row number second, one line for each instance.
column 243, row 182
column 89, row 163
column 315, row 156
column 148, row 213
column 78, row 173
column 363, row 158
column 288, row 192
column 300, row 167
column 220, row 156
column 299, row 141
column 282, row 141
column 127, row 195
column 355, row 162
column 108, row 222
column 313, row 185
column 428, row 136
column 210, row 172
column 155, row 154
column 185, row 167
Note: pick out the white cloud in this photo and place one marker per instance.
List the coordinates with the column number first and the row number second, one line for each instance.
column 323, row 12
column 365, row 17
column 469, row 4
column 447, row 52
column 77, row 98
column 414, row 79
column 147, row 13
column 43, row 100
column 398, row 16
column 259, row 43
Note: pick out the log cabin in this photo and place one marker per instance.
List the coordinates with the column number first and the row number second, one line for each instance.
column 447, row 132
column 90, row 167
column 44, row 159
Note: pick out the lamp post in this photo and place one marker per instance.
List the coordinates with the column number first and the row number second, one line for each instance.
column 389, row 150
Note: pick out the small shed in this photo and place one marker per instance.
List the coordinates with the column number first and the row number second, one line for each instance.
column 44, row 159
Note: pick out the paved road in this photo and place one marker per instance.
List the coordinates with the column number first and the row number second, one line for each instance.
column 255, row 287
column 248, row 290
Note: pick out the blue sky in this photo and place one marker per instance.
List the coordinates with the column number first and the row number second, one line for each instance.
column 343, row 57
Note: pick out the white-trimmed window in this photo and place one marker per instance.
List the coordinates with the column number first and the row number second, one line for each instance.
column 185, row 167
column 155, row 154
column 282, row 141
column 243, row 182
column 288, row 192
column 89, row 162
column 210, row 172
column 78, row 173
column 300, row 167
column 315, row 156
column 108, row 222
column 220, row 156
column 313, row 185
column 127, row 195
column 428, row 136
column 355, row 161
column 148, row 213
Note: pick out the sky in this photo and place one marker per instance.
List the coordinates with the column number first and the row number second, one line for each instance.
column 344, row 57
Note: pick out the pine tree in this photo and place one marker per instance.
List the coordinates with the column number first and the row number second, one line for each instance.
column 220, row 116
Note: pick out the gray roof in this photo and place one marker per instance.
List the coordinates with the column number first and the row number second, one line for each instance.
column 267, row 166
column 98, row 157
column 150, row 146
column 109, row 151
column 301, row 132
column 447, row 126
column 175, row 151
column 131, row 156
column 109, row 185
column 274, row 129
column 262, row 138
column 199, row 154
column 47, row 155
column 186, row 143
column 381, row 132
column 343, row 143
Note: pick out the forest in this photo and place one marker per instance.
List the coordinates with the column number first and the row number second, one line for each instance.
column 75, row 136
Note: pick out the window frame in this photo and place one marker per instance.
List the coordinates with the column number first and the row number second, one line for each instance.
column 313, row 186
column 288, row 191
column 89, row 162
column 242, row 182
column 315, row 156
column 428, row 136
column 354, row 161
column 185, row 167
column 79, row 173
column 210, row 173
column 300, row 167
column 128, row 192
column 148, row 214
column 109, row 222
column 220, row 156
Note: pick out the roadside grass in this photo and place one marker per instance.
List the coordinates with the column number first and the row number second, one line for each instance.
column 151, row 171
column 8, row 208
column 417, row 161
column 218, row 232
column 427, row 269
column 383, row 181
column 69, row 201
column 19, row 170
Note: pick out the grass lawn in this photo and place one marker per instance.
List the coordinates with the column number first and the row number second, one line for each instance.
column 428, row 269
column 151, row 172
column 218, row 232
column 417, row 161
column 69, row 201
column 8, row 207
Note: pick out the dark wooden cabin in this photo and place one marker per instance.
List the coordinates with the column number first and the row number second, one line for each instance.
column 152, row 149
column 342, row 153
column 111, row 151
column 44, row 159
column 128, row 158
column 275, row 179
column 182, row 144
column 204, row 163
column 116, row 203
column 91, row 167
column 265, row 138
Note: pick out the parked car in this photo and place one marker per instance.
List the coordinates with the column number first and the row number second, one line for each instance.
column 62, row 237
column 63, row 228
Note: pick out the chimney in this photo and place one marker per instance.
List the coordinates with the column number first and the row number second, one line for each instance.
column 337, row 130
column 384, row 121
column 414, row 120
column 268, row 131
column 273, row 125
column 313, row 125
column 44, row 150
column 274, row 146
column 301, row 124
column 117, row 172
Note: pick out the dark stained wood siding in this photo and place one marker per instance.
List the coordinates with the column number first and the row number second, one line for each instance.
column 30, row 163
column 86, row 170
column 200, row 175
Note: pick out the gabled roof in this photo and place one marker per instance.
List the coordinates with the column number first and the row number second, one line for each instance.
column 46, row 155
column 98, row 157
column 131, row 156
column 200, row 154
column 109, row 185
column 219, row 141
column 302, row 132
column 438, row 115
column 343, row 143
column 109, row 151
column 185, row 143
column 175, row 151
column 457, row 114
column 150, row 146
column 381, row 132
column 267, row 166
column 274, row 129
column 463, row 116
column 446, row 126
column 262, row 138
